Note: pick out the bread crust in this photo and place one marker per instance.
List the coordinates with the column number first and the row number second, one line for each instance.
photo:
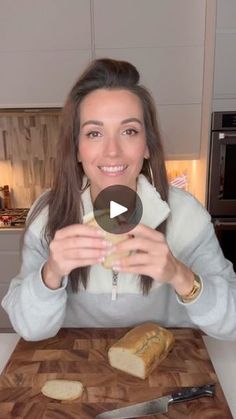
column 149, row 343
column 113, row 238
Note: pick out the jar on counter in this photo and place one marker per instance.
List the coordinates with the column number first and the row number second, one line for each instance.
column 6, row 197
column 1, row 198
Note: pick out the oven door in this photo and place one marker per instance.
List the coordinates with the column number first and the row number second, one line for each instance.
column 222, row 175
column 226, row 232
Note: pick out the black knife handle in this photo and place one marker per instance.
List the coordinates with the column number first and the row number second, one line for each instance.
column 190, row 393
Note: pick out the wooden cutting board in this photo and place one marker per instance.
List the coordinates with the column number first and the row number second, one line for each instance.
column 81, row 354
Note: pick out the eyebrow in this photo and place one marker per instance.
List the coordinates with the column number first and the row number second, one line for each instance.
column 125, row 121
column 92, row 122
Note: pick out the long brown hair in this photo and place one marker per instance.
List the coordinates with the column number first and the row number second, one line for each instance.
column 64, row 198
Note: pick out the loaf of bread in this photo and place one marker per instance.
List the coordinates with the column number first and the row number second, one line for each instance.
column 62, row 389
column 141, row 349
column 113, row 238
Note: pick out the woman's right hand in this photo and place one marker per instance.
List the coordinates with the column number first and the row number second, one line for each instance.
column 73, row 246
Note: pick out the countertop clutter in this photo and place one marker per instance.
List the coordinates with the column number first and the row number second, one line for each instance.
column 10, row 217
column 13, row 217
column 5, row 199
column 81, row 354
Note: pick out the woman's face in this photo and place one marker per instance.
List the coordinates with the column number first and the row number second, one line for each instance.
column 112, row 138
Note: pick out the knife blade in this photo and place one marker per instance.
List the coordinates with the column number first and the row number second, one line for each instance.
column 159, row 405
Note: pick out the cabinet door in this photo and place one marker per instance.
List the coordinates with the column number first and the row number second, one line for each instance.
column 165, row 41
column 148, row 23
column 43, row 47
column 4, row 319
column 9, row 266
column 225, row 57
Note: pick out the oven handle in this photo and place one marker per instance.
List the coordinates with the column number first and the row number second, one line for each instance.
column 218, row 223
column 223, row 135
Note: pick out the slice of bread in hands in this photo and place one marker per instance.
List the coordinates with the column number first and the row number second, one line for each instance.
column 62, row 389
column 113, row 238
column 140, row 350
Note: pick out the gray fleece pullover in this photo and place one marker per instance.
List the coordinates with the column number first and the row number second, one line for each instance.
column 37, row 312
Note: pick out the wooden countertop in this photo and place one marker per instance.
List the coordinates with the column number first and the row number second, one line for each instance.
column 81, row 354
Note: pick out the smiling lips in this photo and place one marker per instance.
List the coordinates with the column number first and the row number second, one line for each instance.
column 113, row 170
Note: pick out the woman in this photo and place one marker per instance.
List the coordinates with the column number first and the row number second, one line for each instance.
column 177, row 275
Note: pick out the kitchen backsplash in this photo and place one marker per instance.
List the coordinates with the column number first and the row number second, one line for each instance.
column 27, row 153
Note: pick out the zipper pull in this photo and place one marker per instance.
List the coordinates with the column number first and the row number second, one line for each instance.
column 114, row 285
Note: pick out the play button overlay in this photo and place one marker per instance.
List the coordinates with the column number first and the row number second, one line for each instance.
column 118, row 209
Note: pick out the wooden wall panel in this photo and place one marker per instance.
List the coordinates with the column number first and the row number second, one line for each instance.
column 28, row 142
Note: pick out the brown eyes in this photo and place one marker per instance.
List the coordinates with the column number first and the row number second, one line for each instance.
column 96, row 134
column 93, row 134
column 130, row 131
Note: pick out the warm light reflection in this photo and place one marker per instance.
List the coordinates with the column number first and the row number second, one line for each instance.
column 183, row 173
column 187, row 173
column 5, row 172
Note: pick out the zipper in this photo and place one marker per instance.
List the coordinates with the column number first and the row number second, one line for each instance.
column 114, row 285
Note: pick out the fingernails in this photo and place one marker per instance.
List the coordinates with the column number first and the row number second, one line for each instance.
column 108, row 252
column 116, row 266
column 107, row 244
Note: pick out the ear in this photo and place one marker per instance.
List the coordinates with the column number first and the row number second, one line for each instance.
column 78, row 158
column 146, row 153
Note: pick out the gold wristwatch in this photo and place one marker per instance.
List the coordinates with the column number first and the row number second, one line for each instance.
column 197, row 286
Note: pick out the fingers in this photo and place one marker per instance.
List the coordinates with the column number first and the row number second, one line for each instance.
column 137, row 259
column 140, row 263
column 140, row 244
column 143, row 238
column 82, row 243
column 73, row 254
column 79, row 230
column 63, row 262
column 76, row 246
column 138, row 269
column 68, row 267
column 143, row 231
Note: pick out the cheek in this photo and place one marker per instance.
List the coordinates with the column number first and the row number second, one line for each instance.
column 88, row 154
column 84, row 151
column 140, row 152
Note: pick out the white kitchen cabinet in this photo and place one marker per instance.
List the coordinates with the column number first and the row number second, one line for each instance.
column 10, row 260
column 224, row 96
column 148, row 23
column 44, row 25
column 44, row 78
column 166, row 40
column 43, row 48
column 180, row 127
column 174, row 75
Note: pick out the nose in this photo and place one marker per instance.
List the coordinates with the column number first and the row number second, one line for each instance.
column 112, row 146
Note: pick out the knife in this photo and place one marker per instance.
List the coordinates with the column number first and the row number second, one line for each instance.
column 160, row 405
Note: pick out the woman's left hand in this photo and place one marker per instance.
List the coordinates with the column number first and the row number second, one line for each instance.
column 151, row 256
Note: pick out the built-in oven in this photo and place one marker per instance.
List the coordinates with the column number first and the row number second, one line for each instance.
column 222, row 170
column 221, row 196
column 225, row 229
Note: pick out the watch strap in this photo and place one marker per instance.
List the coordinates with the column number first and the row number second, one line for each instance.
column 195, row 291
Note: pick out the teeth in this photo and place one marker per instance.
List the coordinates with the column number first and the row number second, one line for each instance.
column 113, row 169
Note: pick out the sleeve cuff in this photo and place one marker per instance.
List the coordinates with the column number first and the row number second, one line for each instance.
column 39, row 288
